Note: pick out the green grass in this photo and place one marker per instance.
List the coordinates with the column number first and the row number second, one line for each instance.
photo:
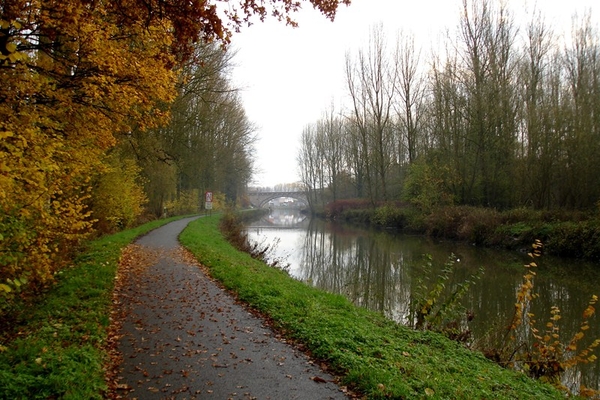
column 55, row 346
column 374, row 355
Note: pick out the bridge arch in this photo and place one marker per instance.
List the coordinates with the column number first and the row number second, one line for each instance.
column 262, row 199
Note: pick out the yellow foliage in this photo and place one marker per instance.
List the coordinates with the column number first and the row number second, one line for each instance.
column 75, row 75
column 219, row 201
column 186, row 202
column 589, row 311
column 549, row 357
column 118, row 196
column 87, row 76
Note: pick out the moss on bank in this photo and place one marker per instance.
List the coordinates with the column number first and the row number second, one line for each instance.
column 374, row 355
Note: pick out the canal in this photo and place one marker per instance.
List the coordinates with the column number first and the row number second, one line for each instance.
column 385, row 272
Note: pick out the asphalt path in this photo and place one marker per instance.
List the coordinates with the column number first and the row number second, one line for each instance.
column 183, row 337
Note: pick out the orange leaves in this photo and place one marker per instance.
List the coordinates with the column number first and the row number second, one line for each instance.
column 74, row 75
column 85, row 78
column 588, row 312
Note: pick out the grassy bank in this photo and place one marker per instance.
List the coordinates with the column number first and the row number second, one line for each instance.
column 374, row 355
column 54, row 346
column 564, row 233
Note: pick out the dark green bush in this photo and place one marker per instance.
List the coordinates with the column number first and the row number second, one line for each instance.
column 575, row 239
column 389, row 217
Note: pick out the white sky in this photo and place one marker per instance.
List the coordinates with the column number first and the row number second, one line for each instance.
column 291, row 76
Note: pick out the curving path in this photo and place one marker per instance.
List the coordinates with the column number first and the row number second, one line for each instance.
column 183, row 337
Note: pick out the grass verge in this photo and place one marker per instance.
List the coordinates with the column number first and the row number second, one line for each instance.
column 55, row 346
column 373, row 355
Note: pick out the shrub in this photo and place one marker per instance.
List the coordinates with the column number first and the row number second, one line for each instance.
column 361, row 217
column 426, row 185
column 437, row 306
column 389, row 216
column 118, row 197
column 187, row 202
column 581, row 240
column 550, row 355
column 337, row 208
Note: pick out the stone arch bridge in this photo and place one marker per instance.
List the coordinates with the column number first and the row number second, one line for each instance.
column 262, row 199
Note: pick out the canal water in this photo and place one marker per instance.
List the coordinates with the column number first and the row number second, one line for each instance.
column 384, row 271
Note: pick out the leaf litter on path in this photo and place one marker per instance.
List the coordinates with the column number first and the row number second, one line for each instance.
column 175, row 332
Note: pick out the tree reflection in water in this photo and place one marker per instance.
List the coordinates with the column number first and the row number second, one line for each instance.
column 379, row 270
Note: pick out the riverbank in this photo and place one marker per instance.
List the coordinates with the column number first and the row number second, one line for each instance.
column 564, row 233
column 370, row 353
column 57, row 347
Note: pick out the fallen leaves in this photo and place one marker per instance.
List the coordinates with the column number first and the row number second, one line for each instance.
column 134, row 261
column 177, row 320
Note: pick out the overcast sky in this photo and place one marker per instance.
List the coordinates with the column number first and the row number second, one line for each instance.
column 290, row 76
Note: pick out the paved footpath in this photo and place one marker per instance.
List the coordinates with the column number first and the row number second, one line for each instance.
column 183, row 337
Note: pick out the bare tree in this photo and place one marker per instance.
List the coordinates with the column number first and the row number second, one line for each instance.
column 371, row 81
column 410, row 90
column 582, row 62
column 310, row 165
column 538, row 138
column 331, row 128
column 487, row 36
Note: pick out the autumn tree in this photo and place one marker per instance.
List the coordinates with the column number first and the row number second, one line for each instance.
column 76, row 76
column 117, row 197
column 209, row 139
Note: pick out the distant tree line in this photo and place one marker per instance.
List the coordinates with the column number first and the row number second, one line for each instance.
column 502, row 117
column 206, row 146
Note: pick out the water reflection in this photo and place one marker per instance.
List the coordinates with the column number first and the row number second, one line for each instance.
column 381, row 271
column 283, row 217
column 363, row 267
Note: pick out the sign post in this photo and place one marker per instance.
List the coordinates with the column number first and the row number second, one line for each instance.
column 208, row 198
